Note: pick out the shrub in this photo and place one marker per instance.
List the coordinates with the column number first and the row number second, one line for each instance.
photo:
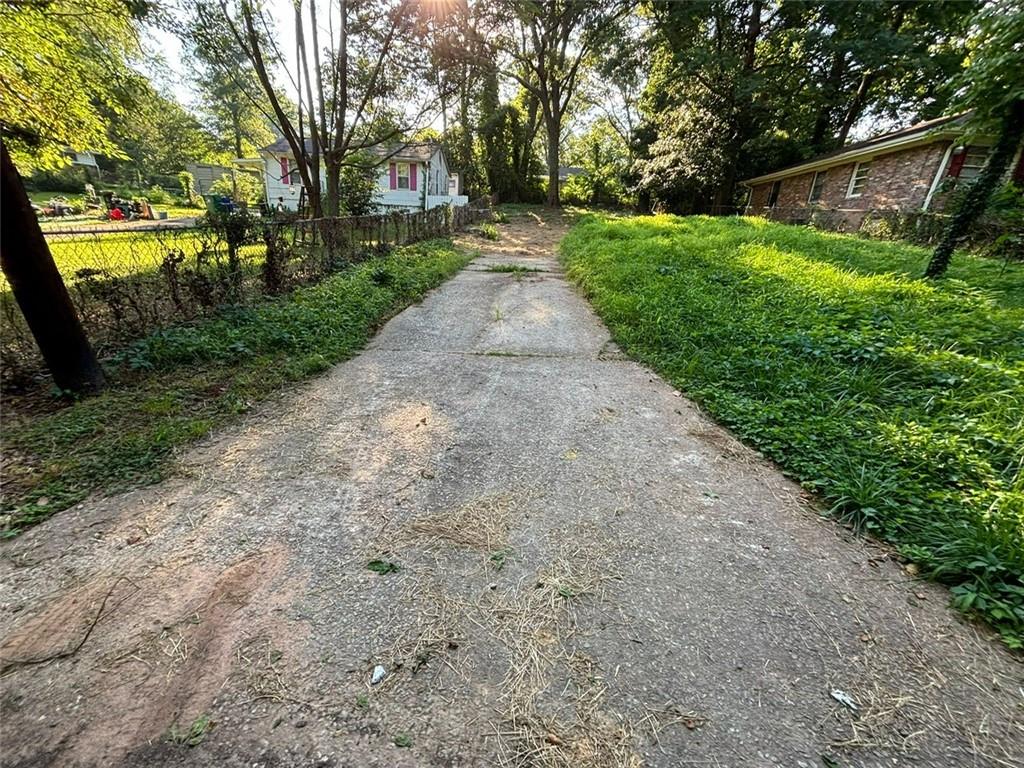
column 488, row 231
column 242, row 188
column 158, row 195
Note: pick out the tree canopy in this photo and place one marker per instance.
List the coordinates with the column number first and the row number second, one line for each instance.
column 62, row 66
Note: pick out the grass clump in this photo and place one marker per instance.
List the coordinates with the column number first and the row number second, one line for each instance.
column 900, row 401
column 517, row 270
column 488, row 231
column 175, row 385
column 192, row 736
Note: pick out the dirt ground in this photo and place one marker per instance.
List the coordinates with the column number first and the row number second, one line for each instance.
column 556, row 559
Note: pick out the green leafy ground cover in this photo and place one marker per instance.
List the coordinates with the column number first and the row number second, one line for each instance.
column 900, row 401
column 174, row 386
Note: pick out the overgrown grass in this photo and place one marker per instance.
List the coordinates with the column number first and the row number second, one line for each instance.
column 900, row 401
column 175, row 385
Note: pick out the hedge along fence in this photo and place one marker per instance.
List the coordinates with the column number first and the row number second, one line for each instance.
column 127, row 283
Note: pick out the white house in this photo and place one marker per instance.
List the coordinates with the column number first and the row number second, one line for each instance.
column 413, row 176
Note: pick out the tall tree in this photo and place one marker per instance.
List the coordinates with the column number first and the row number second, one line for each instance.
column 60, row 65
column 888, row 58
column 157, row 135
column 231, row 98
column 545, row 44
column 992, row 87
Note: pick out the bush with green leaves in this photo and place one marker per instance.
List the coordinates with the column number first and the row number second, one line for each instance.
column 158, row 195
column 900, row 401
column 488, row 231
column 242, row 188
column 358, row 189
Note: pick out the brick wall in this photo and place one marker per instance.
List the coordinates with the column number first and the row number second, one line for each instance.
column 898, row 180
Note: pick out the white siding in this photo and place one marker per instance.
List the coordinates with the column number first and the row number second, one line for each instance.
column 431, row 188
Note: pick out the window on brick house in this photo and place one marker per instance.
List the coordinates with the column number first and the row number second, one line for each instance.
column 816, row 185
column 974, row 161
column 859, row 179
column 773, row 194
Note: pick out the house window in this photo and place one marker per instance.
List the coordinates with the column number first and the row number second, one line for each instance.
column 773, row 194
column 403, row 176
column 816, row 186
column 973, row 163
column 859, row 179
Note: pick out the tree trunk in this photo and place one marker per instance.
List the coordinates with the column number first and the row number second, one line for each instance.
column 332, row 170
column 553, row 130
column 854, row 110
column 39, row 289
column 830, row 90
column 973, row 203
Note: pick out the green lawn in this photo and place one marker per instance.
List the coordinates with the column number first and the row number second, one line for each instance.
column 899, row 400
column 92, row 218
column 177, row 384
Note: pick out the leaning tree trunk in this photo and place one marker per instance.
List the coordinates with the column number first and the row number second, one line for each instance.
column 553, row 129
column 39, row 289
column 974, row 201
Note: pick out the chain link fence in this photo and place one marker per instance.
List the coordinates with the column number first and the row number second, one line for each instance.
column 126, row 283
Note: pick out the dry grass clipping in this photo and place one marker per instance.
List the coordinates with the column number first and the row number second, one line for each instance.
column 534, row 620
column 481, row 524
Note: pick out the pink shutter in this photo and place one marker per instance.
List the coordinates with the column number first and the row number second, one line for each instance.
column 414, row 173
column 1018, row 171
column 394, row 176
column 284, row 170
column 956, row 163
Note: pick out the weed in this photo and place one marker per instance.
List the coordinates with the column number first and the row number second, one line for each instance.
column 192, row 736
column 382, row 567
column 498, row 558
column 488, row 232
column 897, row 399
column 362, row 701
column 514, row 269
column 403, row 740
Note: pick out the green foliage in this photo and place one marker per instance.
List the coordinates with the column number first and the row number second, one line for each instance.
column 488, row 231
column 157, row 134
column 603, row 153
column 158, row 195
column 192, row 736
column 358, row 187
column 741, row 87
column 188, row 186
column 242, row 188
column 231, row 99
column 176, row 385
column 991, row 83
column 382, row 567
column 61, row 71
column 898, row 400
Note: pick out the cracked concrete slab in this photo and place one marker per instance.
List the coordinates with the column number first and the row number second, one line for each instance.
column 580, row 569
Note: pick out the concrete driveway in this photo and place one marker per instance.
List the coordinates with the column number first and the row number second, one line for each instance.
column 546, row 555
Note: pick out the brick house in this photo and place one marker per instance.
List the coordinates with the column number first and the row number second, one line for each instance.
column 913, row 169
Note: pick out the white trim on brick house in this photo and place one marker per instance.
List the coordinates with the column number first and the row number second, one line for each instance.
column 859, row 177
